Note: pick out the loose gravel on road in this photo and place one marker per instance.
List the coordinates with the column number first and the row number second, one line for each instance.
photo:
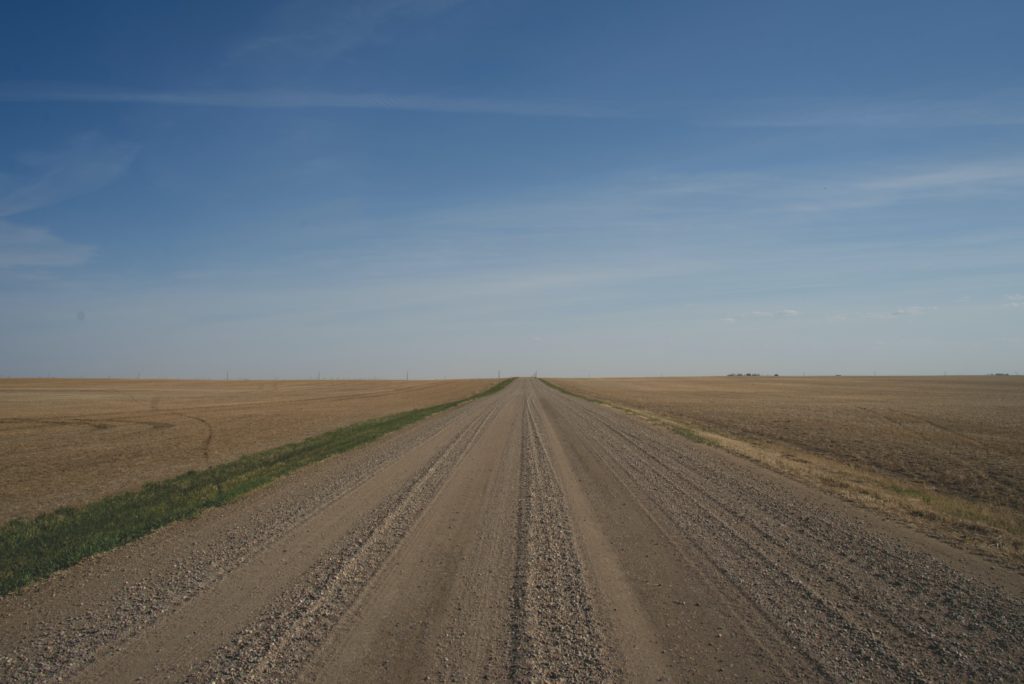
column 525, row 536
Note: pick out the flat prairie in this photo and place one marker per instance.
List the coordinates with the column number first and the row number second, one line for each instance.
column 908, row 440
column 963, row 435
column 66, row 442
column 525, row 536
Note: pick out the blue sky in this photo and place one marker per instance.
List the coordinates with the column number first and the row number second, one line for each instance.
column 359, row 189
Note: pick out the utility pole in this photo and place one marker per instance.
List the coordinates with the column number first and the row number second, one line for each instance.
column 499, row 374
column 407, row 376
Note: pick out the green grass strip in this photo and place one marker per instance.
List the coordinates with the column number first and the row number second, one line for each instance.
column 32, row 549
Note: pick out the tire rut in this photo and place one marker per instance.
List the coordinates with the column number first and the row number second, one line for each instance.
column 289, row 633
column 114, row 612
column 856, row 604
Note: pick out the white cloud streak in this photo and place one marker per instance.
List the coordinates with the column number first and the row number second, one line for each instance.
column 48, row 178
column 905, row 312
column 837, row 192
column 1001, row 109
column 324, row 29
column 784, row 313
column 299, row 100
column 23, row 247
column 1014, row 301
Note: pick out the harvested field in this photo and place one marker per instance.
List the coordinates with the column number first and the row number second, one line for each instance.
column 963, row 435
column 525, row 536
column 956, row 436
column 68, row 442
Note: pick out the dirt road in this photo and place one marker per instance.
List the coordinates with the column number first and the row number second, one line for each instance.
column 528, row 535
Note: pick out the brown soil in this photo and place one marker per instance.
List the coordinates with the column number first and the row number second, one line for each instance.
column 67, row 442
column 526, row 536
column 961, row 435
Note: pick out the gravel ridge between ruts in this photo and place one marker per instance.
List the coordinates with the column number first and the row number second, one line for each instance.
column 555, row 634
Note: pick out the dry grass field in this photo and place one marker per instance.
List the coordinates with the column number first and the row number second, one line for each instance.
column 934, row 446
column 67, row 442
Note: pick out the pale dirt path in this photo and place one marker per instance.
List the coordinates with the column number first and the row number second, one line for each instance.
column 526, row 536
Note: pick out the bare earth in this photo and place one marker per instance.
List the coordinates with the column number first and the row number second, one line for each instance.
column 962, row 435
column 67, row 442
column 524, row 536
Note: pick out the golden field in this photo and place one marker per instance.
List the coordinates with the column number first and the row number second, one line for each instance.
column 66, row 442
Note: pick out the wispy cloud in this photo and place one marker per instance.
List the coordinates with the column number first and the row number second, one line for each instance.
column 323, row 29
column 947, row 181
column 995, row 173
column 784, row 313
column 1013, row 301
column 46, row 178
column 22, row 246
column 1000, row 109
column 300, row 100
column 41, row 179
column 904, row 312
column 836, row 191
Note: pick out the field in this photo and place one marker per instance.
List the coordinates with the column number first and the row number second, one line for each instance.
column 68, row 442
column 944, row 445
column 527, row 535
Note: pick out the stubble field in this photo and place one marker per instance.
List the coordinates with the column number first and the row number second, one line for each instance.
column 67, row 442
column 524, row 536
column 947, row 447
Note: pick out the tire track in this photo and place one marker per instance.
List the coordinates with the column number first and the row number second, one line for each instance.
column 783, row 589
column 116, row 610
column 290, row 632
column 811, row 574
column 438, row 608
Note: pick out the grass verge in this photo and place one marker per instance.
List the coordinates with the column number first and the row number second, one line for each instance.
column 32, row 549
column 996, row 532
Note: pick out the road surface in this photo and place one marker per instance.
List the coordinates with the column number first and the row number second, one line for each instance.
column 525, row 536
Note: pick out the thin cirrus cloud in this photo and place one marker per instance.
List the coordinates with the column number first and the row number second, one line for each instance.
column 986, row 175
column 45, row 178
column 1013, row 301
column 24, row 246
column 784, row 313
column 1000, row 109
column 905, row 312
column 301, row 100
column 322, row 30
column 42, row 179
column 840, row 191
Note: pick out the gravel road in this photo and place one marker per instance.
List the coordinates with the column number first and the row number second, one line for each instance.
column 525, row 536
